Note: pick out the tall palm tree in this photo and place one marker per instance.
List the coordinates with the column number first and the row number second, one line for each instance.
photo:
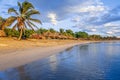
column 23, row 18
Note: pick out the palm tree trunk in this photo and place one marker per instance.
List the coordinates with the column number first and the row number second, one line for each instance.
column 21, row 32
column 2, row 33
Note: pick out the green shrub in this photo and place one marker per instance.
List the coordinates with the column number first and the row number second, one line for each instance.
column 14, row 33
column 28, row 33
column 11, row 33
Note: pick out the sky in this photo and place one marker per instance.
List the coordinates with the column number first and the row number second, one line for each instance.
column 100, row 17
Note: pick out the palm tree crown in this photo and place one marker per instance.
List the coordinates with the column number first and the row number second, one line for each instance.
column 23, row 18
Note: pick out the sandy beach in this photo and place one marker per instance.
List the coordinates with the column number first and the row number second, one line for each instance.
column 14, row 53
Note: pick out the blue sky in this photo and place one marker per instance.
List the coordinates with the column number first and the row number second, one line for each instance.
column 93, row 16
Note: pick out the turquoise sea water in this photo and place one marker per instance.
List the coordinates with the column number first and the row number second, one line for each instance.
column 94, row 61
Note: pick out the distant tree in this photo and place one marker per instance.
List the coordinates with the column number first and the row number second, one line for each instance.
column 81, row 34
column 110, row 38
column 52, row 30
column 61, row 30
column 70, row 32
column 95, row 37
column 41, row 31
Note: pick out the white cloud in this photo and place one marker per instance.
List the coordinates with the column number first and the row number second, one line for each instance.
column 110, row 32
column 76, row 19
column 111, row 25
column 116, row 31
column 91, row 8
column 108, row 24
column 93, row 30
column 53, row 18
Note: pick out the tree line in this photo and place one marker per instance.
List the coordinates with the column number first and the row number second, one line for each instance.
column 43, row 33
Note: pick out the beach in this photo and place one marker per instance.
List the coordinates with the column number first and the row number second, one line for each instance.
column 14, row 53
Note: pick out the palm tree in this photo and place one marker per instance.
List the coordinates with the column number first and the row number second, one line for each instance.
column 23, row 18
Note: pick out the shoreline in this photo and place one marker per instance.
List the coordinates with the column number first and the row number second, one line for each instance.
column 22, row 57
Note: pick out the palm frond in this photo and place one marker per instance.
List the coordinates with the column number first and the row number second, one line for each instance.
column 32, row 12
column 12, row 10
column 35, row 20
column 25, row 25
column 10, row 20
column 30, row 25
column 26, row 6
column 20, row 7
column 33, row 24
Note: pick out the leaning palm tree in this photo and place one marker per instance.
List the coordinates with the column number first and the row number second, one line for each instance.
column 23, row 18
column 3, row 24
